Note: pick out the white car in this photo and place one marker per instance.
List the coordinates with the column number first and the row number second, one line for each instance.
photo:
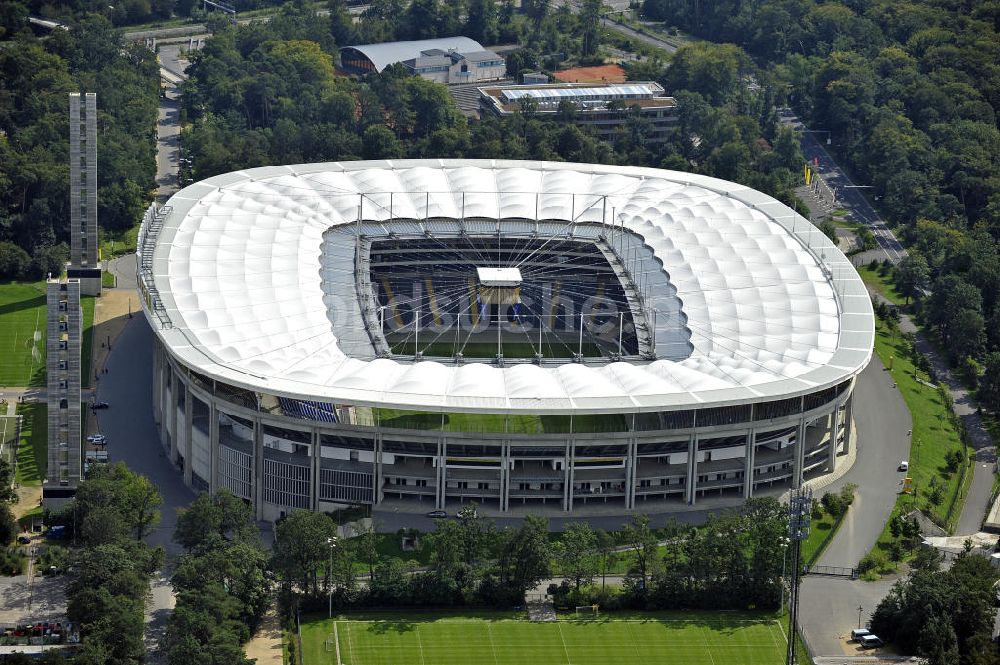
column 904, row 466
column 97, row 439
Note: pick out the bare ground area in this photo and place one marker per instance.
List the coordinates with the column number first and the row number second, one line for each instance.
column 111, row 313
column 265, row 645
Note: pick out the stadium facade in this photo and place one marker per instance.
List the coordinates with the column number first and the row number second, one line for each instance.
column 424, row 333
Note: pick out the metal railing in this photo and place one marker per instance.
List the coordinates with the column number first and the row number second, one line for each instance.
column 149, row 231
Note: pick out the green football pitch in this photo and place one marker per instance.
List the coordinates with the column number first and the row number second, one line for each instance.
column 599, row 641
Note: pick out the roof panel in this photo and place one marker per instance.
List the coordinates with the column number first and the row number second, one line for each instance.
column 258, row 295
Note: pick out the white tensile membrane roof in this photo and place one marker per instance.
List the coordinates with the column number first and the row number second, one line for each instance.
column 774, row 309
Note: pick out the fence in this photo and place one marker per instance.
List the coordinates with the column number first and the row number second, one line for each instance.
column 831, row 571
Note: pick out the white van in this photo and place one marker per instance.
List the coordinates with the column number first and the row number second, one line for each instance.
column 858, row 633
column 871, row 641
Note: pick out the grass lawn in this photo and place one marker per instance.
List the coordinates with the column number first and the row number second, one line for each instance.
column 820, row 533
column 32, row 453
column 485, row 422
column 22, row 334
column 933, row 432
column 8, row 436
column 681, row 638
column 883, row 284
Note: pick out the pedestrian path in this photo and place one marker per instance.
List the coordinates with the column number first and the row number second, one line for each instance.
column 980, row 490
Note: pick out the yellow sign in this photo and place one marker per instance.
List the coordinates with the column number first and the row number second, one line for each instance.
column 907, row 485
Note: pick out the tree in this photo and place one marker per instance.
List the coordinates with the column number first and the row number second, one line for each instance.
column 606, row 550
column 575, row 553
column 301, row 549
column 523, row 561
column 119, row 499
column 590, row 27
column 988, row 390
column 641, row 540
column 481, row 21
column 378, row 142
column 912, row 275
column 214, row 519
column 14, row 261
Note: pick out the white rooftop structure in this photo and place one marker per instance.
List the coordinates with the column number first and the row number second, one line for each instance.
column 549, row 93
column 505, row 277
column 254, row 281
column 389, row 53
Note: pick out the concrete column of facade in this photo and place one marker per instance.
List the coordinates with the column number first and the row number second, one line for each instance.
column 751, row 453
column 439, row 476
column 568, row 477
column 157, row 385
column 690, row 486
column 631, row 471
column 377, row 476
column 800, row 454
column 213, row 447
column 505, row 476
column 848, row 423
column 175, row 393
column 834, row 428
column 315, row 476
column 188, row 434
column 258, row 468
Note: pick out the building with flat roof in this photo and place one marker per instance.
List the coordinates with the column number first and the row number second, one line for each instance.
column 603, row 107
column 526, row 335
column 64, row 334
column 445, row 60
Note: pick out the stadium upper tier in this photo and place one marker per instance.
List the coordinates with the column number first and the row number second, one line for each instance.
column 256, row 278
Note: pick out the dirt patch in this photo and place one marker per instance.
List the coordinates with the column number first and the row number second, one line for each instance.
column 29, row 497
column 265, row 645
column 602, row 74
column 111, row 313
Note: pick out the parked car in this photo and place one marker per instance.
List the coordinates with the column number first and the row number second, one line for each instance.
column 97, row 439
column 436, row 514
column 871, row 641
column 99, row 405
column 904, row 466
column 24, row 540
column 858, row 633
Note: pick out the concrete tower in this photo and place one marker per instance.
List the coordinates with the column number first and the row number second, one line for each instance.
column 83, row 192
column 64, row 336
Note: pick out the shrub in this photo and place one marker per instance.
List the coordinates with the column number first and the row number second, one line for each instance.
column 847, row 494
column 953, row 459
column 833, row 504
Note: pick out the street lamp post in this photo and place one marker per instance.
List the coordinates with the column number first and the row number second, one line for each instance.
column 331, row 543
column 860, row 609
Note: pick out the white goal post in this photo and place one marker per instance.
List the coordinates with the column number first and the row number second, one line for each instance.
column 587, row 610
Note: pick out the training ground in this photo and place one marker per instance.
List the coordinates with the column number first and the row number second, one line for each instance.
column 665, row 639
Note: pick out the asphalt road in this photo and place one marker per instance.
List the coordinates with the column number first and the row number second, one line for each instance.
column 133, row 439
column 883, row 420
column 847, row 194
column 828, row 610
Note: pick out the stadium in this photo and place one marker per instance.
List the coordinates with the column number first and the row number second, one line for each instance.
column 531, row 336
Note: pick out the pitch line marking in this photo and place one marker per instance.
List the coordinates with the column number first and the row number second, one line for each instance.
column 420, row 645
column 493, row 649
column 708, row 647
column 633, row 642
column 563, row 640
column 350, row 643
column 783, row 635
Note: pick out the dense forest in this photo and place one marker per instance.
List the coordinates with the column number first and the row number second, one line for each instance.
column 36, row 77
column 269, row 94
column 908, row 92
